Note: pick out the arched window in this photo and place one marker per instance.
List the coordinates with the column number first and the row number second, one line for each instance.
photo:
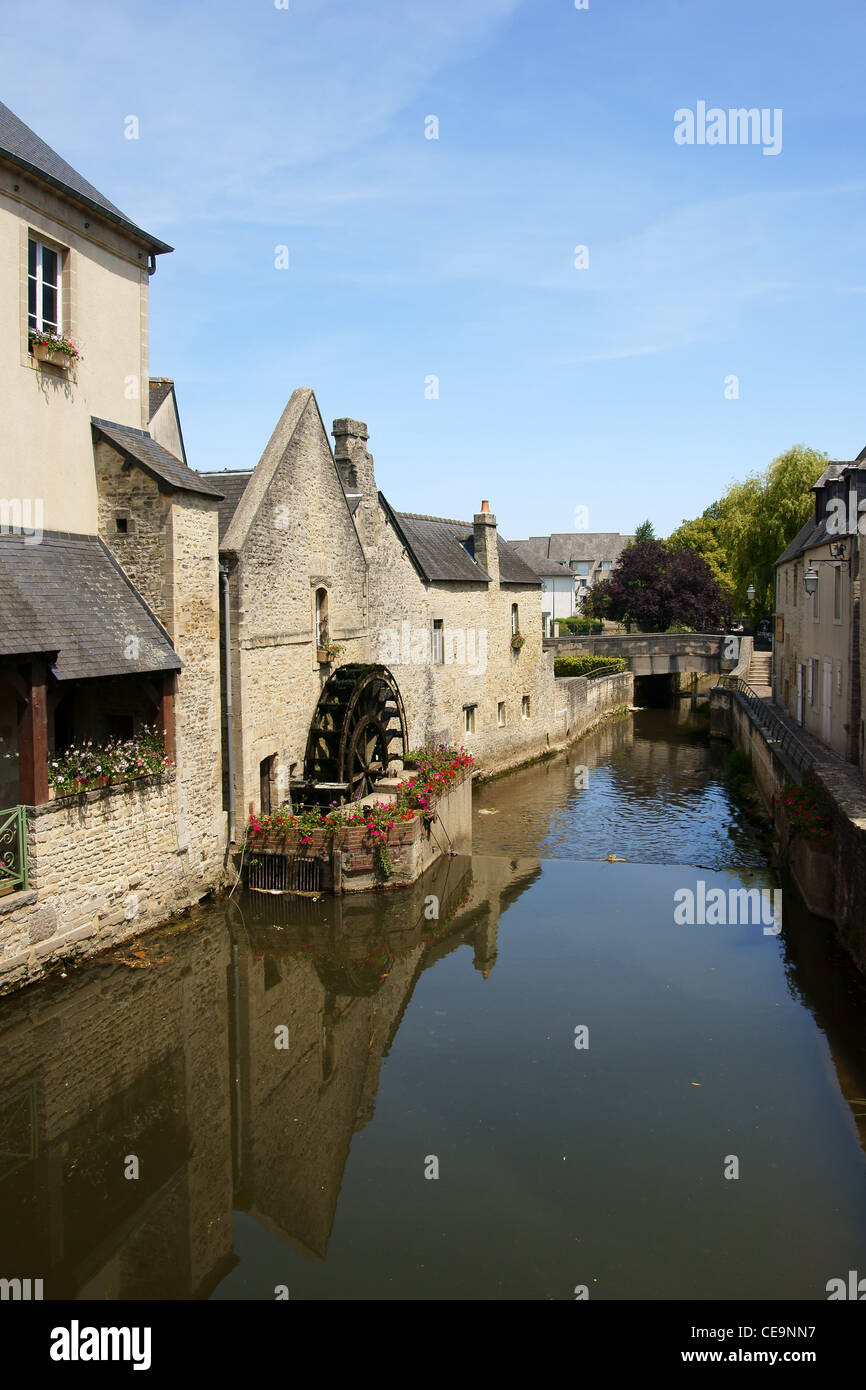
column 515, row 620
column 321, row 617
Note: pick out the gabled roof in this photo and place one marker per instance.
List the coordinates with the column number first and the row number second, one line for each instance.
column 442, row 550
column 231, row 484
column 69, row 595
column 23, row 147
column 139, row 448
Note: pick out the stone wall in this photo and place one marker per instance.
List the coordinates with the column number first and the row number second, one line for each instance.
column 580, row 702
column 102, row 867
column 296, row 535
column 170, row 554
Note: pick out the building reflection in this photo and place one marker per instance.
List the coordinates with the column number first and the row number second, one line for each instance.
column 165, row 1052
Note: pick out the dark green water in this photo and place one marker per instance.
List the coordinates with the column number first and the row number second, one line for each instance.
column 412, row 1040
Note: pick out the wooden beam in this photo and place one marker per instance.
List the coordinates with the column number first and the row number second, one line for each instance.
column 33, row 737
column 167, row 715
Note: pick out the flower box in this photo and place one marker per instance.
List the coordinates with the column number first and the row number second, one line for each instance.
column 517, row 641
column 322, row 657
column 54, row 356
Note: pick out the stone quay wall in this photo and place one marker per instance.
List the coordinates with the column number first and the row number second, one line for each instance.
column 103, row 866
column 830, row 874
column 581, row 702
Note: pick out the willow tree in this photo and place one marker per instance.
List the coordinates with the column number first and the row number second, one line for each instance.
column 742, row 535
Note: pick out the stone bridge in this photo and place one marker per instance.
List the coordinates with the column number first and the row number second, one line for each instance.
column 657, row 653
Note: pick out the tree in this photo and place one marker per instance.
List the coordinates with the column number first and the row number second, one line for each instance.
column 639, row 588
column 655, row 587
column 698, row 600
column 644, row 532
column 597, row 600
column 742, row 535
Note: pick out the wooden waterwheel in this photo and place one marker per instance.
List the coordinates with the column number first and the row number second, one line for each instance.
column 359, row 726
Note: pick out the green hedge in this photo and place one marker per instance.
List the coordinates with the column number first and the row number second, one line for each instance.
column 588, row 665
column 581, row 626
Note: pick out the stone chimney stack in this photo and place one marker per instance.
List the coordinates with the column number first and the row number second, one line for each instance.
column 486, row 542
column 354, row 463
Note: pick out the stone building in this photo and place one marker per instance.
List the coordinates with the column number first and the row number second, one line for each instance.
column 819, row 647
column 108, row 575
column 448, row 613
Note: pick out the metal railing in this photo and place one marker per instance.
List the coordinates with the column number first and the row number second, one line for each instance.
column 774, row 729
column 13, row 850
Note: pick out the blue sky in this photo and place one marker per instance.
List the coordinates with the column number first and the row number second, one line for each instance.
column 559, row 388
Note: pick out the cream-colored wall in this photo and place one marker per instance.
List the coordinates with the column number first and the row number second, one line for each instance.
column 46, row 448
column 824, row 640
column 165, row 427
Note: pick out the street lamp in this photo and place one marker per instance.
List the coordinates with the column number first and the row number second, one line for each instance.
column 750, row 593
column 810, row 580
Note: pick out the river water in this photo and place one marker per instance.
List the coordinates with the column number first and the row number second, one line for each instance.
column 354, row 1098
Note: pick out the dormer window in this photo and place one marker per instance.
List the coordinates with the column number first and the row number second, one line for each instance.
column 44, row 287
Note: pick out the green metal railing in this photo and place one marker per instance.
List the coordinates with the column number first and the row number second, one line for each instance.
column 13, row 849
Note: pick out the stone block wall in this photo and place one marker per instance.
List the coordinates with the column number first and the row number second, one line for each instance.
column 103, row 867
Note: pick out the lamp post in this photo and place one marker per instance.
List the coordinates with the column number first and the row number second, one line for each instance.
column 750, row 595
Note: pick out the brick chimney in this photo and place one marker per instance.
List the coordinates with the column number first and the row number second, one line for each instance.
column 354, row 463
column 486, row 543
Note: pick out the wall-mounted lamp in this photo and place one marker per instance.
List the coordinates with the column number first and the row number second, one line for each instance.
column 810, row 580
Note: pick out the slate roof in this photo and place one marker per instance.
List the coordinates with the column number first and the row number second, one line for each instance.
column 23, row 147
column 138, row 447
column 68, row 595
column 443, row 550
column 232, row 486
column 538, row 562
column 579, row 545
column 158, row 388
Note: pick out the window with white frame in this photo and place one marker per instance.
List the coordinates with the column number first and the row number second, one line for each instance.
column 438, row 641
column 44, row 287
column 515, row 620
column 500, row 713
column 469, row 719
column 524, row 707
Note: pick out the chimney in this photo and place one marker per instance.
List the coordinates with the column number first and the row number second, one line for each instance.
column 354, row 464
column 486, row 542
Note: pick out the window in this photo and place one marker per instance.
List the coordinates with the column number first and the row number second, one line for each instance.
column 606, row 565
column 44, row 271
column 500, row 713
column 321, row 617
column 524, row 707
column 810, row 682
column 582, row 566
column 121, row 524
column 837, row 594
column 515, row 620
column 816, row 605
column 438, row 641
column 796, row 578
column 469, row 719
